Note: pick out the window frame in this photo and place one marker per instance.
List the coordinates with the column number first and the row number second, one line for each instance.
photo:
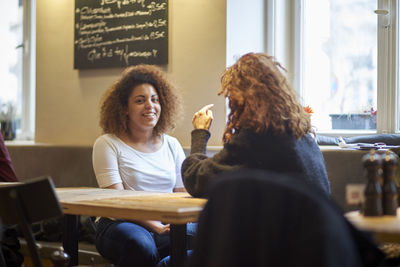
column 388, row 68
column 27, row 129
column 388, row 87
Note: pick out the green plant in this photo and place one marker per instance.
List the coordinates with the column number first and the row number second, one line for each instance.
column 8, row 111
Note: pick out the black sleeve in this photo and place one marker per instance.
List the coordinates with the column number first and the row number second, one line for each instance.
column 198, row 169
column 199, row 141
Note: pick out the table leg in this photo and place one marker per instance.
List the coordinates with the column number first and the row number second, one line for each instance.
column 178, row 245
column 70, row 238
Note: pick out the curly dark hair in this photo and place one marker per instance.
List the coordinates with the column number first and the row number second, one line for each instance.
column 260, row 98
column 113, row 118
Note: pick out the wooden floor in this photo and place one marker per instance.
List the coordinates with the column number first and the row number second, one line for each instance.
column 28, row 262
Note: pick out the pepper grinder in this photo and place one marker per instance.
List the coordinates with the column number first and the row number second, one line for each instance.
column 373, row 191
column 389, row 190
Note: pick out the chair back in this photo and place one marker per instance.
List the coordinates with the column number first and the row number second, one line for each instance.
column 261, row 218
column 27, row 203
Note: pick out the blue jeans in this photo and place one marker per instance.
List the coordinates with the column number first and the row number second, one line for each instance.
column 127, row 244
column 166, row 262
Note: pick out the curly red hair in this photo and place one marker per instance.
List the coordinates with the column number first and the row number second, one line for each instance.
column 260, row 98
column 113, row 118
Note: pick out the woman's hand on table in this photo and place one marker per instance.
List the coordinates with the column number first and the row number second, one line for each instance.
column 203, row 118
column 162, row 229
column 155, row 226
column 159, row 228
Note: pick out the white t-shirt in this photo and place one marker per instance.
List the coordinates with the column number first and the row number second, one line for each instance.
column 116, row 162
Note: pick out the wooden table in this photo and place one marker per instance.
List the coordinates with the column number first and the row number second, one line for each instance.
column 177, row 209
column 384, row 228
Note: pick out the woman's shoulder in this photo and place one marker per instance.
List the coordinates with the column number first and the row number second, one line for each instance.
column 171, row 140
column 106, row 137
column 172, row 143
column 107, row 140
column 309, row 139
column 307, row 145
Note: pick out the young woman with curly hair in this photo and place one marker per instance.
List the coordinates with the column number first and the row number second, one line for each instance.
column 267, row 128
column 134, row 153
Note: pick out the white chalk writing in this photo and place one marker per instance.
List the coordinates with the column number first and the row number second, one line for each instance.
column 94, row 11
column 120, row 3
column 123, row 54
column 93, row 28
column 97, row 40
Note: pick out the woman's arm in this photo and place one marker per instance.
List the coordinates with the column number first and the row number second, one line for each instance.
column 105, row 162
column 179, row 157
column 198, row 169
column 118, row 186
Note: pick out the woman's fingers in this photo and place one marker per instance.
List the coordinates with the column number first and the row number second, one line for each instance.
column 202, row 119
column 210, row 114
column 206, row 108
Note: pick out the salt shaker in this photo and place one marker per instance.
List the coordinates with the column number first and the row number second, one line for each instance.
column 389, row 189
column 373, row 191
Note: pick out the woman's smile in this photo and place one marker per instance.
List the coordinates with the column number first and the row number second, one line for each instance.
column 144, row 108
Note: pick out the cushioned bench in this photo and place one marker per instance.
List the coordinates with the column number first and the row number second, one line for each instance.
column 388, row 139
column 343, row 167
column 69, row 166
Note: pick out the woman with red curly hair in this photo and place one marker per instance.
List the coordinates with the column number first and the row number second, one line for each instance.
column 134, row 153
column 267, row 129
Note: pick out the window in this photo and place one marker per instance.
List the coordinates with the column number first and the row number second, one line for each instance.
column 340, row 73
column 342, row 57
column 347, row 64
column 17, row 68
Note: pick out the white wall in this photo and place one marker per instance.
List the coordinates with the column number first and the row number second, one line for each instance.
column 244, row 28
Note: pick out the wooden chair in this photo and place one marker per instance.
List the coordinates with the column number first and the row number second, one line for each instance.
column 27, row 203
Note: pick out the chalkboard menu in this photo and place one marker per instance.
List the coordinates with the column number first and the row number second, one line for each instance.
column 119, row 33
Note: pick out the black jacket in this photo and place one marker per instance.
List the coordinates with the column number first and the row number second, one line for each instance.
column 280, row 153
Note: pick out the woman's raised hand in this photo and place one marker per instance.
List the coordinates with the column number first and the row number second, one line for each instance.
column 202, row 119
